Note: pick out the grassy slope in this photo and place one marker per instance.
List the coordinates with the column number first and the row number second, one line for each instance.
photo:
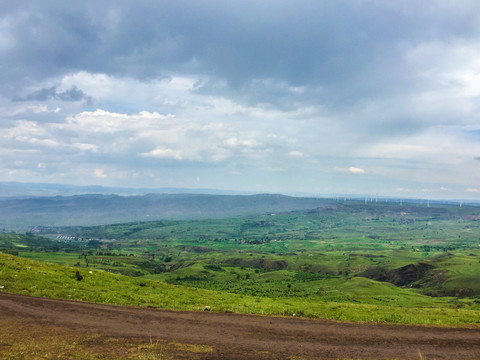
column 23, row 276
column 456, row 274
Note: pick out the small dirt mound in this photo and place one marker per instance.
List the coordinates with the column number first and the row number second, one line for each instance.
column 403, row 276
column 408, row 274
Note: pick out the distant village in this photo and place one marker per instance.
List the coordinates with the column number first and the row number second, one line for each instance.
column 46, row 231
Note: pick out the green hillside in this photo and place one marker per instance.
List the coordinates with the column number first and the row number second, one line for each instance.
column 346, row 261
column 22, row 276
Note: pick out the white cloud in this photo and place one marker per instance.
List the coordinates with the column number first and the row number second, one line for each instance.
column 295, row 154
column 350, row 170
column 147, row 135
column 472, row 190
column 24, row 129
column 356, row 170
column 100, row 173
column 163, row 153
column 86, row 147
column 101, row 121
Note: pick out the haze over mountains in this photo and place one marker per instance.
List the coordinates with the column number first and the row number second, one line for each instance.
column 24, row 211
column 26, row 205
column 19, row 189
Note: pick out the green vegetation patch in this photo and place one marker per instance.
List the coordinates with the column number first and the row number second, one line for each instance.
column 23, row 276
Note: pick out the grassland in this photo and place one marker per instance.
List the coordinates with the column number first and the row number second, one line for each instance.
column 23, row 276
column 348, row 261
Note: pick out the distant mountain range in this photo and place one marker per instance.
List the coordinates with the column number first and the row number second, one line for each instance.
column 95, row 209
column 26, row 205
column 18, row 189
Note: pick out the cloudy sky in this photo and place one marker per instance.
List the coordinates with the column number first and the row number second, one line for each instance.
column 358, row 96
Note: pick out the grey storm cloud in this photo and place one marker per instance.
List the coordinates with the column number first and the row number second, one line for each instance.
column 326, row 43
column 73, row 94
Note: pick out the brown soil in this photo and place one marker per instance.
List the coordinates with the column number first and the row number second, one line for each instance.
column 233, row 336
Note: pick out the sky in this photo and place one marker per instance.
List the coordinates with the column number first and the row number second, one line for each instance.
column 323, row 97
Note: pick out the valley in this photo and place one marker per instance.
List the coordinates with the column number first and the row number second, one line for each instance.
column 375, row 254
column 349, row 262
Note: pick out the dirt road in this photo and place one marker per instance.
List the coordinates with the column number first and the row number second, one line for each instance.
column 247, row 337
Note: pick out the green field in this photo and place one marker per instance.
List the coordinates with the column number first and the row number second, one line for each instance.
column 347, row 261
